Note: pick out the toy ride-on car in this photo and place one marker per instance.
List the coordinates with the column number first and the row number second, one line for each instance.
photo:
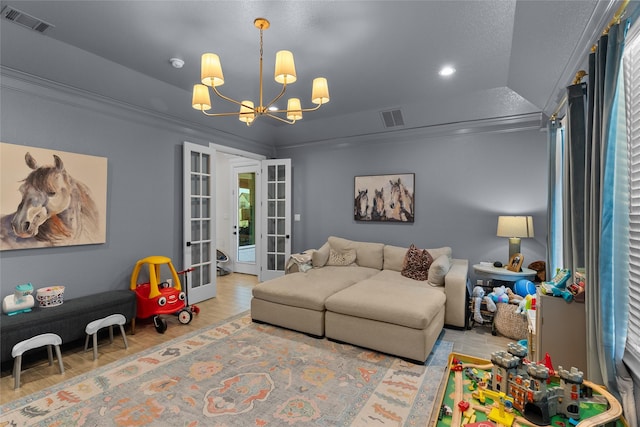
column 155, row 298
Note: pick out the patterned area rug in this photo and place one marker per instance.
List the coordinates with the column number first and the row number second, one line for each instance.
column 240, row 373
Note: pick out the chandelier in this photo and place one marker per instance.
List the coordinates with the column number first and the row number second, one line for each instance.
column 285, row 73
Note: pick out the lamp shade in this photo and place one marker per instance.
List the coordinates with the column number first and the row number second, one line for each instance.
column 515, row 226
column 285, row 67
column 247, row 113
column 211, row 70
column 320, row 91
column 201, row 100
column 294, row 110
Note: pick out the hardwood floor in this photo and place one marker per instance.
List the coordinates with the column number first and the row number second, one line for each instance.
column 233, row 297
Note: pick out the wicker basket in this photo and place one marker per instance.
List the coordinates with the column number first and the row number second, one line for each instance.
column 509, row 323
column 50, row 296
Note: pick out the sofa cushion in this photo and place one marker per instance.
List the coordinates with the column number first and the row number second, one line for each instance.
column 320, row 257
column 439, row 269
column 394, row 256
column 367, row 254
column 344, row 258
column 389, row 297
column 310, row 289
column 416, row 263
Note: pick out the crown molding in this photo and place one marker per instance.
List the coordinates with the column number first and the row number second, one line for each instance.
column 18, row 81
column 515, row 123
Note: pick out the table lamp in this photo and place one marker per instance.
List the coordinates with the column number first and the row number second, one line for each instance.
column 515, row 227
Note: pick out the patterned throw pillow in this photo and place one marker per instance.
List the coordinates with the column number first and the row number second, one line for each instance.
column 347, row 257
column 416, row 263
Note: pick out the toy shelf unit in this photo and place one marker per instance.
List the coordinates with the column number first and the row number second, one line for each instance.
column 561, row 331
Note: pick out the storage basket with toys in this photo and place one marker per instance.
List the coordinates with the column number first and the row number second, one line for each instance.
column 50, row 296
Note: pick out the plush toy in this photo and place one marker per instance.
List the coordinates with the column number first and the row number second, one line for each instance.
column 478, row 294
column 513, row 297
column 499, row 294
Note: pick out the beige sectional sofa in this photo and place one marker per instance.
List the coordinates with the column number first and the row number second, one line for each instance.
column 356, row 293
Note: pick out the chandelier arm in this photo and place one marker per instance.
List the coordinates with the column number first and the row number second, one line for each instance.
column 289, row 122
column 305, row 110
column 237, row 113
column 226, row 98
column 274, row 100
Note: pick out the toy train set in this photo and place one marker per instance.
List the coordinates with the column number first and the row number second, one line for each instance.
column 509, row 390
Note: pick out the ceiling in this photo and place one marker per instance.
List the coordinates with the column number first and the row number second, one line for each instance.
column 513, row 58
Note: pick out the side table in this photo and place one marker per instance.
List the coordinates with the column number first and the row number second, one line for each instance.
column 502, row 274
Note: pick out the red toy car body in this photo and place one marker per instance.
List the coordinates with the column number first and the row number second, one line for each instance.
column 154, row 298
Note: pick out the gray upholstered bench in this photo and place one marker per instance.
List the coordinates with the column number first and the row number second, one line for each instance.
column 68, row 320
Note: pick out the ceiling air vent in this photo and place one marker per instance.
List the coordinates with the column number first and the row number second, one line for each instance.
column 392, row 118
column 24, row 19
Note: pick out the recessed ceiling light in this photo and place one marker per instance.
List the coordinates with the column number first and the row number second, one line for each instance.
column 273, row 108
column 447, row 70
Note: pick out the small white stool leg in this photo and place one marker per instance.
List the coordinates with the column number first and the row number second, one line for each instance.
column 17, row 367
column 95, row 346
column 59, row 356
column 124, row 336
column 50, row 354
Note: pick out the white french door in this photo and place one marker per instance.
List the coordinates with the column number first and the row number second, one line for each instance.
column 199, row 222
column 276, row 217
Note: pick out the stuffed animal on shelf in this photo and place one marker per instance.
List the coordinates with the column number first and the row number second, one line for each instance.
column 499, row 294
column 513, row 297
column 478, row 294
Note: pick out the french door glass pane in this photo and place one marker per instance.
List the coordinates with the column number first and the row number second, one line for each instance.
column 195, row 162
column 195, row 207
column 205, row 184
column 206, row 169
column 195, row 230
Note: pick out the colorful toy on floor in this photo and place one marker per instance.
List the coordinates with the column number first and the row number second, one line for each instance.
column 155, row 298
column 21, row 301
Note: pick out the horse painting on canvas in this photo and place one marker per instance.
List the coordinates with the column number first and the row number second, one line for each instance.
column 55, row 209
column 385, row 198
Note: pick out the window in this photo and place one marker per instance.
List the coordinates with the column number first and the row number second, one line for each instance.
column 632, row 99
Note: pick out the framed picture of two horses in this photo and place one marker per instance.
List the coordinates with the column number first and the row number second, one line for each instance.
column 384, row 198
column 51, row 198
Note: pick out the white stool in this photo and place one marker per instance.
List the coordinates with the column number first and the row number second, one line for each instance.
column 35, row 342
column 93, row 328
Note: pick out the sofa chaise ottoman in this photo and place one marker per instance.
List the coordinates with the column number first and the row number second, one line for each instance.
column 356, row 293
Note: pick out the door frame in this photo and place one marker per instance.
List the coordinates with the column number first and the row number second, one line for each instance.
column 244, row 157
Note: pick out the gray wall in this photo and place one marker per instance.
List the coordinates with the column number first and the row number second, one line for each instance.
column 463, row 182
column 144, row 194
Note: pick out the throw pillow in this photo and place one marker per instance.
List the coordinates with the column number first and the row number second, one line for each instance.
column 416, row 263
column 439, row 269
column 320, row 257
column 346, row 257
